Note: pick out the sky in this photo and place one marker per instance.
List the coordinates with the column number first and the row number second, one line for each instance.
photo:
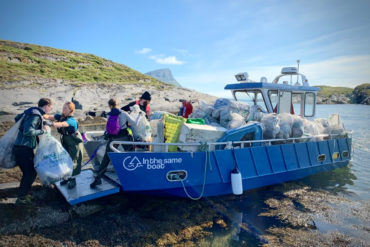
column 205, row 42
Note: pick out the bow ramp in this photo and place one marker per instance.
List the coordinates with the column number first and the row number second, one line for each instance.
column 82, row 192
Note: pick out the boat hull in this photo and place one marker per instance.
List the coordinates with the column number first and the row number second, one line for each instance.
column 145, row 172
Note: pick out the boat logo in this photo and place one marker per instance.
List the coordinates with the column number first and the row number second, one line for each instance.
column 131, row 164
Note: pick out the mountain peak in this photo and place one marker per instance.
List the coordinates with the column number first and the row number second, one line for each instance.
column 164, row 75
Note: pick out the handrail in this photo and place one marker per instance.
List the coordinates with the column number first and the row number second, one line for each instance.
column 229, row 143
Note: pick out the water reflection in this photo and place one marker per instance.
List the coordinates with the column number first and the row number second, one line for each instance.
column 245, row 214
column 334, row 181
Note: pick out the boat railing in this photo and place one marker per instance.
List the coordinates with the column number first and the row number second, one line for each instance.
column 117, row 146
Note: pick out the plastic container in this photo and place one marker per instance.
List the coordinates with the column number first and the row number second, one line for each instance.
column 200, row 121
column 172, row 128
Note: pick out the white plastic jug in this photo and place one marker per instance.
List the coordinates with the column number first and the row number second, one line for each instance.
column 236, row 182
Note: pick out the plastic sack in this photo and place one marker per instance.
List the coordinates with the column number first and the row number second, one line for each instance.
column 255, row 113
column 52, row 162
column 297, row 127
column 335, row 124
column 142, row 130
column 285, row 125
column 224, row 116
column 271, row 127
column 221, row 102
column 323, row 125
column 7, row 159
column 311, row 129
column 236, row 121
column 202, row 111
column 241, row 108
column 157, row 115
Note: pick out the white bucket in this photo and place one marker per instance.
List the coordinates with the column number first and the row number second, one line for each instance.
column 236, row 182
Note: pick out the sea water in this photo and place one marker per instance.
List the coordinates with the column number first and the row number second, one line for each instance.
column 249, row 226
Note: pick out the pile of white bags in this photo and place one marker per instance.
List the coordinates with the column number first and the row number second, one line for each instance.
column 227, row 113
column 7, row 159
column 202, row 111
column 52, row 162
column 142, row 130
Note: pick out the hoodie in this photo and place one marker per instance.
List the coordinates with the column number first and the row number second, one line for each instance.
column 124, row 117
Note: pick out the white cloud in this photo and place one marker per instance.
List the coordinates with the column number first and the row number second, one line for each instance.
column 166, row 60
column 143, row 51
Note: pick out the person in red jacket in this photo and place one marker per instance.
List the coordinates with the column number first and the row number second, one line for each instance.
column 186, row 108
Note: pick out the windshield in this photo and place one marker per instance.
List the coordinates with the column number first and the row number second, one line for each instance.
column 254, row 97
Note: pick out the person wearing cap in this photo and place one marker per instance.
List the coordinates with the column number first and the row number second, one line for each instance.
column 143, row 103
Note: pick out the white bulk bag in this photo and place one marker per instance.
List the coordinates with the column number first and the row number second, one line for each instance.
column 52, row 161
column 7, row 159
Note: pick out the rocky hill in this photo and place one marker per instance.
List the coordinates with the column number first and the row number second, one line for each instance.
column 334, row 95
column 361, row 94
column 29, row 72
column 164, row 75
column 344, row 95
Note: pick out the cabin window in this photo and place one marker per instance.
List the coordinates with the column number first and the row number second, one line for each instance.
column 254, row 97
column 309, row 104
column 273, row 96
column 298, row 102
column 285, row 101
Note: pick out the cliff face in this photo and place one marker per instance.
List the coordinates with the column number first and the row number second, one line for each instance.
column 164, row 75
column 361, row 94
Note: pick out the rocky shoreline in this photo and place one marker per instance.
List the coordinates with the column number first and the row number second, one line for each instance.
column 291, row 214
column 18, row 96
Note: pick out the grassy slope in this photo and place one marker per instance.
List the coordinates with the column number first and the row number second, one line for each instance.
column 19, row 61
column 327, row 91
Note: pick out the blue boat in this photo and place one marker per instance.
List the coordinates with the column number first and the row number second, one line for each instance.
column 234, row 163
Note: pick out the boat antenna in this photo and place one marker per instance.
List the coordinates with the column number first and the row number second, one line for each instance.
column 298, row 61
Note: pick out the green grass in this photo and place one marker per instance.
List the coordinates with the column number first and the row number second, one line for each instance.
column 327, row 91
column 31, row 62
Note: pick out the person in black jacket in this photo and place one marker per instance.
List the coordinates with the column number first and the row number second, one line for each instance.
column 25, row 143
column 143, row 102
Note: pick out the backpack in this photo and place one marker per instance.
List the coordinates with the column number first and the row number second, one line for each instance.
column 113, row 127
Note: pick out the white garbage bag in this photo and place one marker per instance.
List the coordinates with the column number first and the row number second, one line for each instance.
column 221, row 102
column 285, row 125
column 241, row 108
column 297, row 127
column 202, row 111
column 335, row 124
column 322, row 125
column 142, row 130
column 7, row 159
column 236, row 121
column 270, row 124
column 52, row 162
column 255, row 113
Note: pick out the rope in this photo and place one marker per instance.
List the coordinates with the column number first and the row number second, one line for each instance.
column 204, row 182
column 93, row 155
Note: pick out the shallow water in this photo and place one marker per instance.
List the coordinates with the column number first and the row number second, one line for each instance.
column 345, row 211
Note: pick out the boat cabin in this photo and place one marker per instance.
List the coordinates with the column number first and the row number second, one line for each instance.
column 289, row 92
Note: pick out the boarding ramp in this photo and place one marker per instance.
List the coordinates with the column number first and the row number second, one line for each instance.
column 82, row 192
